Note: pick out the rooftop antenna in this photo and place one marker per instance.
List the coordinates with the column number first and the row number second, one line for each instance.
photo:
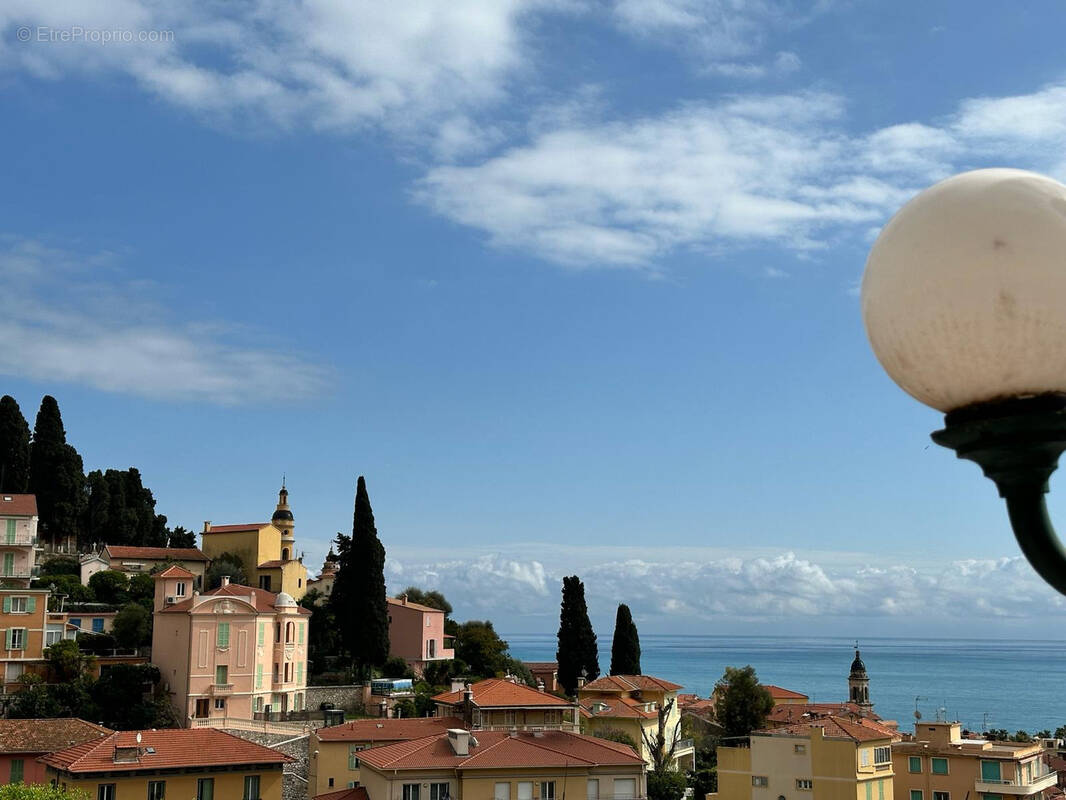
column 942, row 712
column 985, row 719
column 917, row 713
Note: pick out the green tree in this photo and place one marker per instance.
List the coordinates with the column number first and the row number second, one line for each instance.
column 577, row 653
column 396, row 667
column 612, row 734
column 130, row 697
column 433, row 599
column 180, row 537
column 666, row 784
column 120, row 510
column 142, row 587
column 323, row 639
column 57, row 476
column 66, row 661
column 625, row 647
column 14, row 447
column 39, row 791
column 110, row 586
column 69, row 585
column 32, row 700
column 358, row 597
column 131, row 626
column 227, row 564
column 743, row 702
column 481, row 649
column 61, row 565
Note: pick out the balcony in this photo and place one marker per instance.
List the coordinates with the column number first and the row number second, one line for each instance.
column 1018, row 787
column 22, row 573
column 221, row 689
column 19, row 540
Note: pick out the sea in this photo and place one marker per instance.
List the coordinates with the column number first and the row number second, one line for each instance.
column 1012, row 684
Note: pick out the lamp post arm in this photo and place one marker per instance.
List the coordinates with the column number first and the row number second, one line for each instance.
column 1036, row 536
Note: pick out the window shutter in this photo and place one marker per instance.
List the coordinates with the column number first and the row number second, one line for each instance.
column 31, row 604
column 300, row 628
column 299, row 672
column 7, row 639
column 11, row 531
column 262, row 633
column 222, row 639
column 7, row 607
column 259, row 673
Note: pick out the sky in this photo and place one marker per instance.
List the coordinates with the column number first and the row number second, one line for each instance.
column 573, row 283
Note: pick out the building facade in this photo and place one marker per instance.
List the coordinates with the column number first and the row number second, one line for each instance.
column 323, row 584
column 24, row 741
column 266, row 549
column 494, row 705
column 137, row 560
column 416, row 633
column 18, row 540
column 235, row 651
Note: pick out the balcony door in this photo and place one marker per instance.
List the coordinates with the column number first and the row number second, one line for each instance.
column 990, row 772
column 202, row 709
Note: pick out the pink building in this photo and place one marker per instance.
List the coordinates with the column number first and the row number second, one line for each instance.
column 23, row 741
column 416, row 633
column 18, row 539
column 232, row 652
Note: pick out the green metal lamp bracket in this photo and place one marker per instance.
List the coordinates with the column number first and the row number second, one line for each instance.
column 1017, row 443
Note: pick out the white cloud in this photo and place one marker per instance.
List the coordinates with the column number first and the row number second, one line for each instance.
column 73, row 318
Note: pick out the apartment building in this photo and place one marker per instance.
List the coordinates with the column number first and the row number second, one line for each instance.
column 497, row 704
column 416, row 633
column 18, row 540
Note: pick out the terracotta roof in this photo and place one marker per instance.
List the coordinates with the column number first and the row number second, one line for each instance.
column 173, row 748
column 797, row 712
column 493, row 692
column 272, row 564
column 496, row 749
column 541, row 666
column 174, row 571
column 629, row 683
column 387, row 730
column 856, row 729
column 778, row 693
column 47, row 735
column 358, row 793
column 172, row 553
column 248, row 526
column 392, row 601
column 618, row 707
column 264, row 600
column 18, row 505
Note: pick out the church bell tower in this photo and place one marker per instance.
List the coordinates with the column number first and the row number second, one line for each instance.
column 283, row 521
column 859, row 684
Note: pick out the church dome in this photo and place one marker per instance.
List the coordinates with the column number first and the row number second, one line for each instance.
column 282, row 515
column 284, row 600
column 857, row 666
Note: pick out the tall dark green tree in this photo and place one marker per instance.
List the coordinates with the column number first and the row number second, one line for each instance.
column 358, row 597
column 577, row 651
column 625, row 647
column 57, row 476
column 742, row 703
column 14, row 447
column 120, row 510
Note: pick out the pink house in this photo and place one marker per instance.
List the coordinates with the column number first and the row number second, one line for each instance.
column 232, row 652
column 416, row 633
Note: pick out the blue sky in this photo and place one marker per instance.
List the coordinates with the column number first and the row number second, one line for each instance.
column 572, row 282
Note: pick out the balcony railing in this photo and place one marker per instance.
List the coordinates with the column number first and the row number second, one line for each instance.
column 19, row 572
column 221, row 689
column 683, row 745
column 19, row 540
column 1019, row 786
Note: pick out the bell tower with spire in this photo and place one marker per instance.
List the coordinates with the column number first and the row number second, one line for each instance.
column 283, row 521
column 859, row 684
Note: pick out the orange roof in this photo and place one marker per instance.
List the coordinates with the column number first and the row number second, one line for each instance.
column 276, row 563
column 163, row 749
column 393, row 601
column 264, row 600
column 617, row 707
column 358, row 793
column 388, row 730
column 630, row 683
column 18, row 505
column 778, row 693
column 174, row 571
column 807, row 711
column 248, row 526
column 172, row 553
column 857, row 729
column 496, row 749
column 494, row 692
column 47, row 735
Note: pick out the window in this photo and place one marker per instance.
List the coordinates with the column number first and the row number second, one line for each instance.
column 290, row 632
column 10, row 531
column 353, row 758
column 51, row 637
column 76, row 622
column 914, row 764
column 864, row 757
column 939, row 766
column 251, row 787
column 264, row 582
column 553, row 717
column 157, row 790
column 222, row 674
column 275, row 673
column 277, row 631
column 105, row 791
column 547, row 790
column 14, row 671
column 625, row 788
column 991, row 772
column 882, row 755
column 18, row 605
column 220, row 703
column 98, row 624
column 759, row 780
column 525, row 790
column 799, row 749
column 205, row 789
column 410, row 791
column 510, row 717
column 941, row 796
column 916, row 794
column 592, row 789
column 16, row 638
column 431, row 648
column 179, row 590
column 222, row 636
column 501, row 791
column 17, row 770
column 331, row 783
column 804, row 783
column 259, row 700
column 288, row 671
column 439, row 791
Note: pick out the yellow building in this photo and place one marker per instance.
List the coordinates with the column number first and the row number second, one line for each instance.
column 267, row 549
column 334, row 752
column 190, row 764
column 829, row 758
column 502, row 765
column 938, row 764
column 496, row 704
column 630, row 704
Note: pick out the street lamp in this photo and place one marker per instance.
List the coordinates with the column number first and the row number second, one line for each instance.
column 964, row 300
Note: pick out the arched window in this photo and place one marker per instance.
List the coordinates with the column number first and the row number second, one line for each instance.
column 285, row 554
column 290, row 632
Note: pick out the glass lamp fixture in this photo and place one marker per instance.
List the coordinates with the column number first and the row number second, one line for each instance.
column 964, row 301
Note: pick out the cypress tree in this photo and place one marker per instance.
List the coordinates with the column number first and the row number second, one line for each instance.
column 358, row 597
column 14, row 447
column 625, row 647
column 577, row 642
column 57, row 476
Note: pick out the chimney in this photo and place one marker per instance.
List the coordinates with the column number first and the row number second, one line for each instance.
column 458, row 685
column 207, row 525
column 460, row 741
column 540, row 685
column 225, row 580
column 403, row 599
column 582, row 679
column 468, row 705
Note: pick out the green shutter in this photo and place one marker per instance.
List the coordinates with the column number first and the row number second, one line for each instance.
column 31, row 604
column 262, row 633
column 299, row 672
column 880, row 789
column 7, row 607
column 223, row 634
column 300, row 629
column 7, row 639
column 869, row 790
column 17, row 765
column 259, row 674
column 11, row 531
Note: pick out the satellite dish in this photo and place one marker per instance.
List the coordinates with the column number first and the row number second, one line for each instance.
column 917, row 714
column 138, row 737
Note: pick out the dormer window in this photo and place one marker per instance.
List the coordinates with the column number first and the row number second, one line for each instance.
column 179, row 589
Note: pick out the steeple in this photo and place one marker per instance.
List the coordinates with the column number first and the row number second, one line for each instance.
column 283, row 521
column 859, row 684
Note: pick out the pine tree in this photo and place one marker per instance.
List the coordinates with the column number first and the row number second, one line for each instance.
column 57, row 476
column 358, row 598
column 625, row 647
column 14, row 447
column 577, row 651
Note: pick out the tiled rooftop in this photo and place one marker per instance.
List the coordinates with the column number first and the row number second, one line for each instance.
column 173, row 553
column 629, row 683
column 47, row 735
column 494, row 692
column 388, row 730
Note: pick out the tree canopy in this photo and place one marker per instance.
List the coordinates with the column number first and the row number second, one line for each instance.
column 40, row 791
column 57, row 476
column 226, row 565
column 14, row 447
column 743, row 702
column 577, row 651
column 625, row 647
column 432, row 598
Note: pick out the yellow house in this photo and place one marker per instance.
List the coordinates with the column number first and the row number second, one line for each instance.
column 502, row 765
column 828, row 758
column 334, row 752
column 267, row 550
column 630, row 704
column 190, row 764
column 496, row 704
column 938, row 764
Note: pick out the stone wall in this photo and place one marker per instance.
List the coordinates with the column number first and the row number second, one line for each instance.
column 340, row 696
column 294, row 786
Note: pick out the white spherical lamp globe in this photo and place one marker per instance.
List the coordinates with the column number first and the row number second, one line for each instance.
column 964, row 294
